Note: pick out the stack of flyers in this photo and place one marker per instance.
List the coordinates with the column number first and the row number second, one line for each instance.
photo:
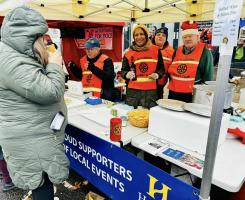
column 185, row 158
column 154, row 146
column 192, row 161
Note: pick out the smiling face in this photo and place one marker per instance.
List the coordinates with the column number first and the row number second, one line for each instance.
column 139, row 37
column 160, row 39
column 190, row 40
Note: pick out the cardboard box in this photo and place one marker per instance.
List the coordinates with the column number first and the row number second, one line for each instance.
column 93, row 196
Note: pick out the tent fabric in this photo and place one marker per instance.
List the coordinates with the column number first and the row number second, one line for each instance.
column 71, row 52
column 120, row 10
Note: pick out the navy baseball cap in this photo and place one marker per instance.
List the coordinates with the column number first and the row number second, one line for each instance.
column 92, row 43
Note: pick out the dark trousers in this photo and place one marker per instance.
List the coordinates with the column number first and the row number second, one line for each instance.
column 5, row 173
column 186, row 97
column 160, row 91
column 45, row 192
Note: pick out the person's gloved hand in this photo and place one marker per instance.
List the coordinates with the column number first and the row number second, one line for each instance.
column 55, row 58
column 153, row 76
column 91, row 66
column 130, row 75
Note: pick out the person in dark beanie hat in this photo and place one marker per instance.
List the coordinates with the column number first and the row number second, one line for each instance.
column 160, row 40
column 142, row 66
column 97, row 71
column 192, row 64
column 163, row 30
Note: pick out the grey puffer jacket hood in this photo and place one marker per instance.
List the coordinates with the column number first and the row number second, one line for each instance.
column 19, row 25
column 30, row 96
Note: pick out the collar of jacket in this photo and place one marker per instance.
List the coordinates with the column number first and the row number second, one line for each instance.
column 146, row 47
column 188, row 51
column 93, row 60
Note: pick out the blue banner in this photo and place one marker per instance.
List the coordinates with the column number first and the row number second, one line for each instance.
column 118, row 173
column 242, row 22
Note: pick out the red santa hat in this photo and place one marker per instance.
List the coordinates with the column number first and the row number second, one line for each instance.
column 189, row 28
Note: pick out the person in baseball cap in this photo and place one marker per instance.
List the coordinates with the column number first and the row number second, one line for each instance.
column 192, row 64
column 92, row 43
column 97, row 71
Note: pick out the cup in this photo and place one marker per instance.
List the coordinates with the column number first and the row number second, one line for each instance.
column 124, row 120
column 114, row 112
column 115, row 129
column 51, row 48
column 75, row 87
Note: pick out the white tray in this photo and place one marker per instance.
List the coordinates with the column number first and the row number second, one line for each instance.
column 199, row 109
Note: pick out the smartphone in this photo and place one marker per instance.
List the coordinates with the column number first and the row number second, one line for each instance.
column 57, row 122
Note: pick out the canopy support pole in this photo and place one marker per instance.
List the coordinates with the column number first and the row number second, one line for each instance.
column 215, row 123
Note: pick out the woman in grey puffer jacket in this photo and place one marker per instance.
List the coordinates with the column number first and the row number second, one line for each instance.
column 32, row 86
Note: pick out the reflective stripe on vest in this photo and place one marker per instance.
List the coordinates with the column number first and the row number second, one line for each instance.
column 167, row 55
column 91, row 89
column 145, row 63
column 166, row 58
column 185, row 62
column 92, row 83
column 145, row 60
column 87, row 72
column 144, row 80
column 183, row 69
column 182, row 79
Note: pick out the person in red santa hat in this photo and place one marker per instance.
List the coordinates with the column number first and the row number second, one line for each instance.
column 192, row 64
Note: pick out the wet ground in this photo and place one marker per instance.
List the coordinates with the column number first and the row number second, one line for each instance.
column 79, row 194
column 62, row 192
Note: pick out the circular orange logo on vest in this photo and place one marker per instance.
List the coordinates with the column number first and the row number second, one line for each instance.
column 182, row 68
column 88, row 78
column 143, row 67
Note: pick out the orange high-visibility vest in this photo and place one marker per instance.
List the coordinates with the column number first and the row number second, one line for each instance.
column 167, row 55
column 91, row 83
column 183, row 69
column 145, row 63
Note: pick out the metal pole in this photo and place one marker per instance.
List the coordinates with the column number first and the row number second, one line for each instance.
column 131, row 33
column 215, row 123
column 146, row 4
